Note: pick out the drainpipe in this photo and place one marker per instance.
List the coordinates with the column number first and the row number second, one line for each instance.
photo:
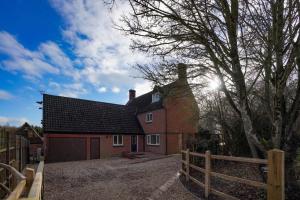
column 166, row 131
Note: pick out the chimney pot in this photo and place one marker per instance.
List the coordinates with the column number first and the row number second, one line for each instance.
column 131, row 94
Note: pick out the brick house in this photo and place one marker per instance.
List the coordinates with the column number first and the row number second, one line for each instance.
column 35, row 145
column 158, row 121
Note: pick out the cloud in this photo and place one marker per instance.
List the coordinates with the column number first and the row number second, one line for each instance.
column 12, row 121
column 142, row 88
column 99, row 55
column 67, row 90
column 102, row 89
column 32, row 63
column 103, row 51
column 4, row 95
column 115, row 90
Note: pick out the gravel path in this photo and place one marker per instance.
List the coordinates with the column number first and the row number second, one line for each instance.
column 116, row 178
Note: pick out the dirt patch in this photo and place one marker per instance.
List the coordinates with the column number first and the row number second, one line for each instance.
column 241, row 191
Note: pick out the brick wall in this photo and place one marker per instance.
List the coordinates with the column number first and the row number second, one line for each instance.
column 182, row 116
column 106, row 143
column 157, row 126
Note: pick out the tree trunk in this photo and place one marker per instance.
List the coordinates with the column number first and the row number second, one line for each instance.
column 248, row 128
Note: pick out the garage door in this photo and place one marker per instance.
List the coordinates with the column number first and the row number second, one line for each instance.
column 66, row 149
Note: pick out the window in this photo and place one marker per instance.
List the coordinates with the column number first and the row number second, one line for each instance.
column 149, row 117
column 153, row 139
column 155, row 97
column 117, row 140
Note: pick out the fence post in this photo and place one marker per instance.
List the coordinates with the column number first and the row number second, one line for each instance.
column 275, row 180
column 207, row 172
column 7, row 157
column 187, row 166
column 30, row 174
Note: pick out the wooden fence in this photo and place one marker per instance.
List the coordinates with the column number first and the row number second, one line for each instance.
column 13, row 152
column 275, row 174
column 30, row 186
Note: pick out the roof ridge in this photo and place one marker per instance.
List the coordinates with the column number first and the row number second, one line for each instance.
column 88, row 100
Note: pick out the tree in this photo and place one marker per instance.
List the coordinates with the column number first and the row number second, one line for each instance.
column 243, row 43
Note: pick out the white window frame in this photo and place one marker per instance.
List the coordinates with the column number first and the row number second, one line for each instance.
column 155, row 97
column 148, row 120
column 117, row 144
column 157, row 139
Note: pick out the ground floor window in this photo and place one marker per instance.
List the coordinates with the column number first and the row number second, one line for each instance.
column 117, row 140
column 153, row 139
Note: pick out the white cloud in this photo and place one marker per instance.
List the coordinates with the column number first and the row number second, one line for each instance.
column 115, row 89
column 12, row 121
column 102, row 89
column 142, row 88
column 4, row 95
column 101, row 55
column 67, row 90
column 103, row 51
column 21, row 59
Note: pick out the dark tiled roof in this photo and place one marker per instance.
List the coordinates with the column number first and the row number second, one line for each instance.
column 63, row 114
column 144, row 103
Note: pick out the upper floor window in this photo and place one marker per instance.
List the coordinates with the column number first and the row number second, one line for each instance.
column 149, row 117
column 155, row 97
column 117, row 140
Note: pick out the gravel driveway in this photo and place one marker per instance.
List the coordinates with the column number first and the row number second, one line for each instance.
column 116, row 178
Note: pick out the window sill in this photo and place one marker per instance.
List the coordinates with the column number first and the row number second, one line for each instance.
column 118, row 145
column 153, row 144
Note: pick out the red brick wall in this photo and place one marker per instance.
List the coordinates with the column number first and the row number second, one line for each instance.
column 182, row 118
column 106, row 143
column 157, row 126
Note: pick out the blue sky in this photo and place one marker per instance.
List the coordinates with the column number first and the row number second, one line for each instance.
column 67, row 48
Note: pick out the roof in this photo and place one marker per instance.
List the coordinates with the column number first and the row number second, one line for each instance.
column 64, row 114
column 144, row 103
column 23, row 130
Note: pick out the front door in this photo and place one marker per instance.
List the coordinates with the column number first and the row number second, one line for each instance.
column 133, row 143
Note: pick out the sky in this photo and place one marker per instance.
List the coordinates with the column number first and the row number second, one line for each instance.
column 68, row 48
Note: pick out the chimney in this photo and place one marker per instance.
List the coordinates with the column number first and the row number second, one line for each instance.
column 181, row 70
column 131, row 94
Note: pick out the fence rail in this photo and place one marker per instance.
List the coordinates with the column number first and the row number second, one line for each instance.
column 275, row 176
column 32, row 185
column 13, row 152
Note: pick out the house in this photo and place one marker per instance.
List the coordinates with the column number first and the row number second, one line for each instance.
column 158, row 121
column 35, row 141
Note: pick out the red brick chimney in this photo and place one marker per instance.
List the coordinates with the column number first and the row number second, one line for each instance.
column 131, row 94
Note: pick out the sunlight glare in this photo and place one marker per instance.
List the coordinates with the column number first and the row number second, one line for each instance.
column 213, row 84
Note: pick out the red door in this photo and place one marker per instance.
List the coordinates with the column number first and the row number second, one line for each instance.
column 95, row 148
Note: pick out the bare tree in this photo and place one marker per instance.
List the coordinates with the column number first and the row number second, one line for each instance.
column 243, row 43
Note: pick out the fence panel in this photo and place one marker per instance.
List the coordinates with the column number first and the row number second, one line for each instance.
column 13, row 152
column 275, row 166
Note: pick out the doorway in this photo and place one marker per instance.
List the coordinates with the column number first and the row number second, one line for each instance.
column 133, row 143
